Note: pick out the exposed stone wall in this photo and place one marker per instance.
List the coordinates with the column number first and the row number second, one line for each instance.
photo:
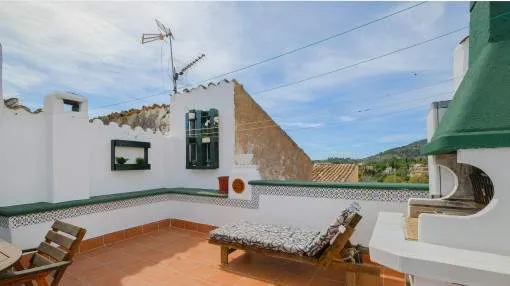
column 155, row 117
column 276, row 154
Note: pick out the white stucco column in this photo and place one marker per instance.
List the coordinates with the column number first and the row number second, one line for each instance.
column 2, row 106
column 68, row 150
column 439, row 179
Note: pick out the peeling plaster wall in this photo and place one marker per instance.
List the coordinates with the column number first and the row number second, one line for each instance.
column 276, row 154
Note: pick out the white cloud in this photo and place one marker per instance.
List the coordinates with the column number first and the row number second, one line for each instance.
column 94, row 48
column 20, row 76
column 346, row 118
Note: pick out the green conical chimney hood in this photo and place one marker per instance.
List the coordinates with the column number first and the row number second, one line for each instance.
column 479, row 114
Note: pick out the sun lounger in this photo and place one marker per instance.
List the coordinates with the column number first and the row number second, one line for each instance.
column 313, row 247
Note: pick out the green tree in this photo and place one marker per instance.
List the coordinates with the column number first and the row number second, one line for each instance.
column 393, row 179
column 419, row 179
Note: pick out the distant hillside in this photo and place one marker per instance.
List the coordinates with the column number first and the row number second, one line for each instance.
column 403, row 164
column 409, row 151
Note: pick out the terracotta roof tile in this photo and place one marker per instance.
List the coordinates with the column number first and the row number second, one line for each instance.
column 333, row 172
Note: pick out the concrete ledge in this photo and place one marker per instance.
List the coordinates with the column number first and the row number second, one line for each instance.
column 24, row 209
column 389, row 247
column 383, row 186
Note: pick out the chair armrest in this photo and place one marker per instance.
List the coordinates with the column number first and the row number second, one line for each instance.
column 35, row 270
column 30, row 250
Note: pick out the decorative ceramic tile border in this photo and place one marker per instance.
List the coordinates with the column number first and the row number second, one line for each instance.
column 257, row 191
column 35, row 218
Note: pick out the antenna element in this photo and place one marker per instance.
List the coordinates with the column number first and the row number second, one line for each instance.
column 166, row 33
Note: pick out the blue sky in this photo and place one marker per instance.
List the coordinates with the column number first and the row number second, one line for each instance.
column 94, row 49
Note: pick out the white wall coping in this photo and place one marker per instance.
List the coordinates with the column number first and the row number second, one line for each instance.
column 389, row 247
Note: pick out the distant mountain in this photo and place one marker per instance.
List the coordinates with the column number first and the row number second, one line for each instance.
column 409, row 151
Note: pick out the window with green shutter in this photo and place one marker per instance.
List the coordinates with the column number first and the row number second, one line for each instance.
column 202, row 134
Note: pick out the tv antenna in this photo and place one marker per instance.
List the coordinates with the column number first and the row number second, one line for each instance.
column 166, row 33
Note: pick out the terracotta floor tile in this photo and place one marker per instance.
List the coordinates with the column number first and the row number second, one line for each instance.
column 318, row 281
column 69, row 280
column 252, row 282
column 298, row 279
column 221, row 277
column 181, row 257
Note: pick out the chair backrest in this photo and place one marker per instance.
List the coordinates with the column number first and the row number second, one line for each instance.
column 341, row 240
column 60, row 244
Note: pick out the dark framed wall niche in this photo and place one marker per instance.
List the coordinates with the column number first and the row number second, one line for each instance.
column 127, row 143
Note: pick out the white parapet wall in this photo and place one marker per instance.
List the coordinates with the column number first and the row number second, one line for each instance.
column 311, row 206
column 57, row 155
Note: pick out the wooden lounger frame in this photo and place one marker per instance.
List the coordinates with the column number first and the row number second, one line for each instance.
column 330, row 257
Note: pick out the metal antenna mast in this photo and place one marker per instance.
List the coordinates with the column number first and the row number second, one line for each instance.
column 165, row 33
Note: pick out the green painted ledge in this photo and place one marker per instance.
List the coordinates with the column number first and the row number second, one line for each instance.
column 361, row 185
column 44, row 206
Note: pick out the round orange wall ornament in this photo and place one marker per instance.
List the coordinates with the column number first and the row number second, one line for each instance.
column 238, row 185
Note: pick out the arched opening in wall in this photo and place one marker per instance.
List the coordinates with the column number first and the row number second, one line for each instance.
column 470, row 191
column 483, row 189
column 473, row 192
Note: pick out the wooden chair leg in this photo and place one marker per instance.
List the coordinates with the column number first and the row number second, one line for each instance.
column 41, row 281
column 224, row 255
column 351, row 279
column 58, row 276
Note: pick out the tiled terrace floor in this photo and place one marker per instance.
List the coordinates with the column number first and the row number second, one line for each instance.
column 179, row 257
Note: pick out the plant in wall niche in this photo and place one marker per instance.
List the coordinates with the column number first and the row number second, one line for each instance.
column 119, row 163
column 121, row 160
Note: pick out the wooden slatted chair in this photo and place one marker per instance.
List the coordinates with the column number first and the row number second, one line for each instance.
column 53, row 255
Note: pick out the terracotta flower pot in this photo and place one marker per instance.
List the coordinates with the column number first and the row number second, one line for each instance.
column 223, row 184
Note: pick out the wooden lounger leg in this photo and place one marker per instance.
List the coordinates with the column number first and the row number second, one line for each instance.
column 224, row 255
column 225, row 251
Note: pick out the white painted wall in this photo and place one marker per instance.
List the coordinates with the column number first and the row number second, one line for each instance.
column 305, row 212
column 466, row 231
column 23, row 171
column 245, row 173
column 460, row 62
column 67, row 149
column 1, row 81
column 441, row 180
column 105, row 181
column 58, row 155
column 97, row 224
column 220, row 97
